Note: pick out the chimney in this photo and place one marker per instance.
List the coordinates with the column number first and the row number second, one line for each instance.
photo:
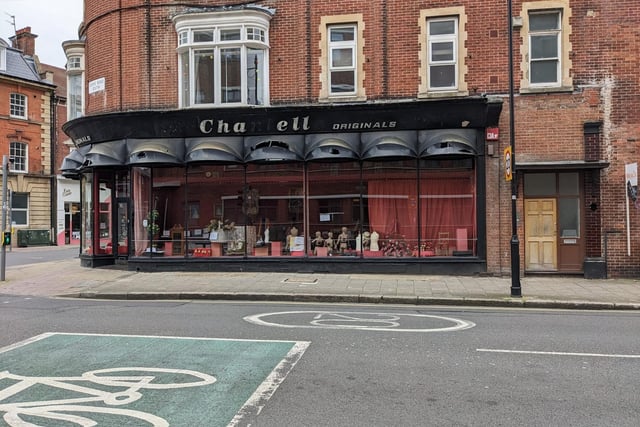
column 25, row 41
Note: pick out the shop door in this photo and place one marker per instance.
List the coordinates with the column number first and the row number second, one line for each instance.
column 122, row 227
column 540, row 235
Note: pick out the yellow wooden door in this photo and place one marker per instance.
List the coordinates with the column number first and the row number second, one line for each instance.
column 540, row 235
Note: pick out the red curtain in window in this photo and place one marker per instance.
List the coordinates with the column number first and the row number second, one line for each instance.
column 447, row 204
column 393, row 208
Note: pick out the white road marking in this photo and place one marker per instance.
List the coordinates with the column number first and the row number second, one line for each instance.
column 359, row 321
column 263, row 393
column 560, row 353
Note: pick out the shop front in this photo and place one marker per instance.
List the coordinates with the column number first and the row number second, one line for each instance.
column 390, row 187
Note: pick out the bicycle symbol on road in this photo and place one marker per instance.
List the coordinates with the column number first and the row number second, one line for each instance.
column 391, row 322
column 128, row 388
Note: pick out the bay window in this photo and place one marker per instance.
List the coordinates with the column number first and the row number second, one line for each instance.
column 223, row 58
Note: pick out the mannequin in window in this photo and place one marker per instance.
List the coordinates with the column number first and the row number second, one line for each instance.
column 343, row 240
column 291, row 238
column 374, row 241
column 329, row 242
column 317, row 242
column 366, row 241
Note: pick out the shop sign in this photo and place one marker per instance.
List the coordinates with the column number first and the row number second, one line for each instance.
column 493, row 134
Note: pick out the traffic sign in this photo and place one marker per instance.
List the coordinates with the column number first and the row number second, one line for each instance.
column 508, row 164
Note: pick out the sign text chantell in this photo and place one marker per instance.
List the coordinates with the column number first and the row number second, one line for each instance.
column 222, row 127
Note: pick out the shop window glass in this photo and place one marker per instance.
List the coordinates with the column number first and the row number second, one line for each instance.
column 86, row 242
column 104, row 217
column 540, row 184
column 569, row 217
column 278, row 205
column 390, row 195
column 569, row 184
column 335, row 210
column 448, row 210
column 215, row 228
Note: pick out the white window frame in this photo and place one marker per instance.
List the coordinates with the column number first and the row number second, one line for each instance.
column 18, row 101
column 252, row 27
column 19, row 159
column 443, row 38
column 557, row 32
column 351, row 45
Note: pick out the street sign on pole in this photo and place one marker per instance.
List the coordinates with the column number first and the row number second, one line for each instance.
column 508, row 170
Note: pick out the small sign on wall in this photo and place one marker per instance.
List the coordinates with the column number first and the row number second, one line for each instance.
column 96, row 85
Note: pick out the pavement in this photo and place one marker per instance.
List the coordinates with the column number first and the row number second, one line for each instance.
column 67, row 278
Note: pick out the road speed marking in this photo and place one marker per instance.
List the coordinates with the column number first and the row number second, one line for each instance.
column 363, row 321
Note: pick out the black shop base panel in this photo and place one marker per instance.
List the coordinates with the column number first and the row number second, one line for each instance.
column 455, row 265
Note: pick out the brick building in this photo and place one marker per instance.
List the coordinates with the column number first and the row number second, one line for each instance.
column 357, row 136
column 27, row 123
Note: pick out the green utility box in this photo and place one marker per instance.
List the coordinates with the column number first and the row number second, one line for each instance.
column 33, row 238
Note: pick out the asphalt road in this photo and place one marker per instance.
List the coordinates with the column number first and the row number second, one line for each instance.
column 389, row 365
column 31, row 255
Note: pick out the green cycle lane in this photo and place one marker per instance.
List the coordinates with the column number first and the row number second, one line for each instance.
column 61, row 380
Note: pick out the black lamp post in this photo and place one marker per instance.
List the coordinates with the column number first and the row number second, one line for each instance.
column 516, row 290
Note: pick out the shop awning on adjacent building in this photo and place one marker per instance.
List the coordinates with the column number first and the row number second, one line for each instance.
column 169, row 151
column 448, row 143
column 563, row 165
column 214, row 150
column 332, row 146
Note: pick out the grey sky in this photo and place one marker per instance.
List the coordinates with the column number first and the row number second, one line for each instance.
column 53, row 21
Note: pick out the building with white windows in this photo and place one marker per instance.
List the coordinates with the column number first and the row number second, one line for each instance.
column 355, row 137
column 27, row 123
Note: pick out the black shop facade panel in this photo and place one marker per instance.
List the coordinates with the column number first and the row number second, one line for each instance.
column 388, row 187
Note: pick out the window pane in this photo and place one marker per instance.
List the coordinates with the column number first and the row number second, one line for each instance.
column 203, row 36
column 544, row 21
column 75, row 96
column 447, row 209
column 390, row 193
column 342, row 81
column 442, row 27
column 19, row 217
column 230, row 75
column 569, row 184
column 232, row 34
column 334, row 204
column 342, row 34
column 569, row 217
column 544, row 46
column 442, row 76
column 186, row 78
column 255, row 76
column 544, row 72
column 204, row 74
column 19, row 201
column 442, row 51
column 540, row 184
column 342, row 57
